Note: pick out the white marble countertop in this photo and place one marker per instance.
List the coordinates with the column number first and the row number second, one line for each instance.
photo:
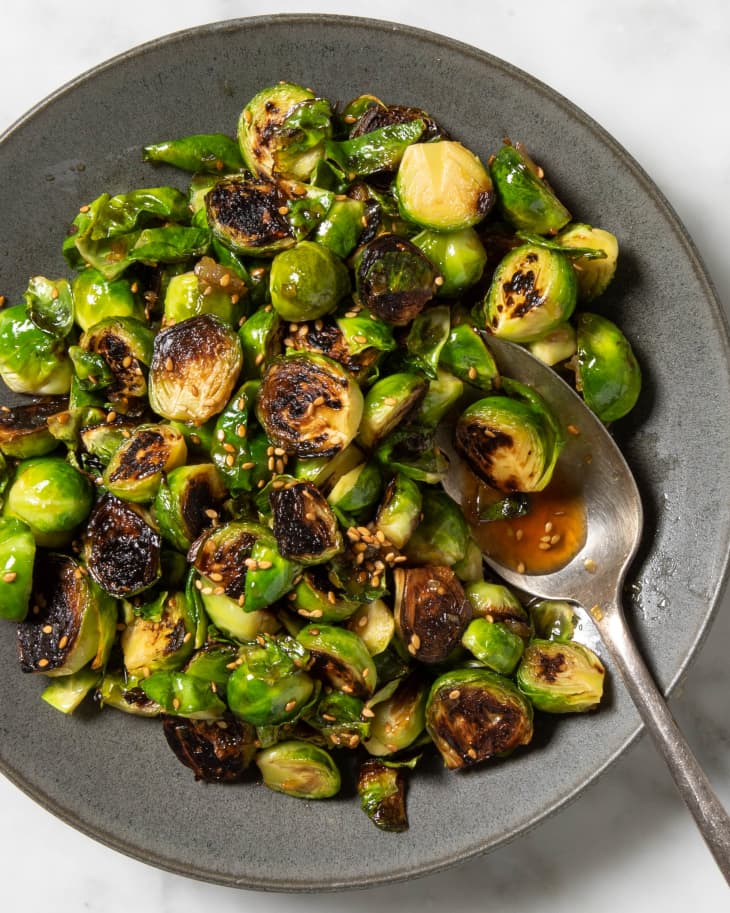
column 655, row 74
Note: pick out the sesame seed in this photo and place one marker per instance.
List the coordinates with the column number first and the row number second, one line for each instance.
column 63, row 642
column 84, row 208
column 265, row 565
column 390, row 401
column 283, row 210
column 188, row 637
column 519, row 534
column 43, row 662
column 230, row 460
column 472, row 373
column 544, row 546
column 590, row 565
column 411, row 649
column 10, row 576
column 229, row 448
column 290, row 706
column 249, row 465
column 211, row 514
column 47, row 629
column 241, row 431
column 219, row 591
column 169, row 364
column 416, row 641
column 259, row 358
column 472, row 753
column 225, row 280
column 521, row 567
column 216, row 577
column 207, row 591
column 555, row 539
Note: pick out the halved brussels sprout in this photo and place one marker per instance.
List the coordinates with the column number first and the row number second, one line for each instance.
column 355, row 494
column 124, row 346
column 251, row 216
column 400, row 718
column 608, row 375
column 102, row 440
column 382, row 795
column 31, row 360
column 195, row 292
column 121, row 547
column 340, row 658
column 378, row 150
column 269, row 685
column 316, row 597
column 533, row 291
column 493, row 644
column 374, row 624
column 476, row 714
column 195, row 367
column 375, row 114
column 561, row 677
column 309, row 405
column 400, row 510
column 97, row 298
column 17, row 554
column 122, row 692
column 496, row 603
column 305, row 527
column 394, row 279
column 188, row 500
column 69, row 624
column 67, row 692
column 51, row 496
column 525, row 199
column 217, row 751
column 50, row 305
column 556, row 346
column 136, row 470
column 24, row 429
column 387, row 403
column 553, row 619
column 443, row 185
column 282, row 131
column 442, row 535
column 307, row 281
column 512, row 444
column 459, row 256
column 299, row 769
column 431, row 611
column 594, row 274
column 338, row 717
column 158, row 636
column 443, row 393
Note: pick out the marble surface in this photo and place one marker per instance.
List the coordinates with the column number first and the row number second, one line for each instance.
column 654, row 74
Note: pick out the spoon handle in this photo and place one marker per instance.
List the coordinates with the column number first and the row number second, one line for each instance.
column 691, row 781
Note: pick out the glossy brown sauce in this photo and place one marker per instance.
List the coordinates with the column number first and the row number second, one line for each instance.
column 542, row 541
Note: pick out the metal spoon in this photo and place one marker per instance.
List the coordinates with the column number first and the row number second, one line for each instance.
column 594, row 577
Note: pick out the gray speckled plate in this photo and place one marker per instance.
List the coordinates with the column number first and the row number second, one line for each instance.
column 112, row 776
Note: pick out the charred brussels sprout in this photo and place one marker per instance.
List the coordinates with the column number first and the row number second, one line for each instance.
column 24, row 429
column 17, row 554
column 50, row 496
column 31, row 360
column 303, row 522
column 309, row 405
column 251, row 217
column 184, row 502
column 561, row 677
column 158, row 636
column 282, row 131
column 269, row 686
column 525, row 199
column 72, row 624
column 357, row 343
column 299, row 769
column 443, row 185
column 97, row 298
column 382, row 795
column 195, row 367
column 496, row 603
column 399, row 719
column 340, row 657
column 215, row 753
column 413, row 452
column 316, row 597
column 442, row 536
column 123, row 347
column 608, row 376
column 533, row 291
column 431, row 611
column 136, row 469
column 476, row 714
column 400, row 510
column 493, row 644
column 307, row 281
column 394, row 279
column 387, row 403
column 121, row 547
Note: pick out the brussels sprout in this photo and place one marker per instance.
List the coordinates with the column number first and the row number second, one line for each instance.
column 340, row 658
column 180, row 694
column 282, row 131
column 269, row 686
column 398, row 720
column 443, row 186
column 105, row 438
column 309, row 405
column 195, row 367
column 122, row 692
column 467, row 357
column 476, row 714
column 31, row 360
column 342, row 227
column 367, row 113
column 356, row 493
column 50, row 496
column 217, row 751
column 299, row 769
column 213, row 662
column 496, row 603
column 69, row 624
column 382, row 795
column 459, row 256
column 67, row 692
column 304, row 525
column 124, row 346
column 513, row 444
column 608, row 375
column 325, row 471
column 470, row 568
column 50, row 305
column 96, row 299
column 188, row 295
column 260, row 337
column 426, row 337
column 188, row 500
column 213, row 152
column 595, row 273
column 338, row 717
column 561, row 677
column 17, row 554
column 525, row 199
column 443, row 393
column 413, row 452
column 24, row 429
column 553, row 619
column 374, row 624
column 400, row 510
column 493, row 644
column 387, row 403
column 394, row 279
column 137, row 468
column 158, row 636
column 533, row 291
column 316, row 597
column 231, row 619
column 307, row 281
column 431, row 611
column 380, row 149
column 241, row 560
column 556, row 346
column 442, row 535
column 357, row 343
column 121, row 547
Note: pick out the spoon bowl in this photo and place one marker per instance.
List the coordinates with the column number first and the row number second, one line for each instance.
column 594, row 576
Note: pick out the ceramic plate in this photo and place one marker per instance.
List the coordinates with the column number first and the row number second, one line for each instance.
column 113, row 776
